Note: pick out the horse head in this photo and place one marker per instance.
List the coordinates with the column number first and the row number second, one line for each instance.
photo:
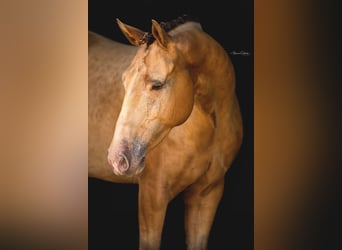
column 159, row 95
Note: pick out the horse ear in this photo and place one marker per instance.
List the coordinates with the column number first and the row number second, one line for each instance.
column 134, row 35
column 160, row 34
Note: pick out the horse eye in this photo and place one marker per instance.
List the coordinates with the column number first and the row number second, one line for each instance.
column 157, row 85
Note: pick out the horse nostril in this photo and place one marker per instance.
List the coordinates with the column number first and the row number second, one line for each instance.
column 122, row 163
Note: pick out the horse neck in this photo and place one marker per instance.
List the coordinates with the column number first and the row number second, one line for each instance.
column 210, row 67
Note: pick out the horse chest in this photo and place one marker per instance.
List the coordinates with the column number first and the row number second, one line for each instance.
column 183, row 156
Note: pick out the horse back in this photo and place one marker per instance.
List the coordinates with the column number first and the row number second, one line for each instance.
column 107, row 60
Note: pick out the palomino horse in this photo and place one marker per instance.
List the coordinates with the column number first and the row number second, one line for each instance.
column 164, row 114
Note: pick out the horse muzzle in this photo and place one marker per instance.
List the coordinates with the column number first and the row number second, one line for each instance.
column 127, row 159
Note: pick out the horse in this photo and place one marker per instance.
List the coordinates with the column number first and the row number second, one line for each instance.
column 164, row 114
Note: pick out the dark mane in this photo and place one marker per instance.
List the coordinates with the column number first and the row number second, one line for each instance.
column 168, row 26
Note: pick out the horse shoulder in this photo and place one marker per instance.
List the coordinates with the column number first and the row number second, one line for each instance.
column 229, row 135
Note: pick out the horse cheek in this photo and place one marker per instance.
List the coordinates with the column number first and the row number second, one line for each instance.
column 183, row 103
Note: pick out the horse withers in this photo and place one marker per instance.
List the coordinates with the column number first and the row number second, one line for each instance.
column 163, row 114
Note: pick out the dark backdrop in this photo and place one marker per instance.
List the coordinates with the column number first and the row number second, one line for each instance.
column 113, row 209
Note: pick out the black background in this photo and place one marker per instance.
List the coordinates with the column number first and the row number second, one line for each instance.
column 113, row 209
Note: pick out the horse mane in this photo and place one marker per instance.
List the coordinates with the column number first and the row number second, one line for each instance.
column 168, row 26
